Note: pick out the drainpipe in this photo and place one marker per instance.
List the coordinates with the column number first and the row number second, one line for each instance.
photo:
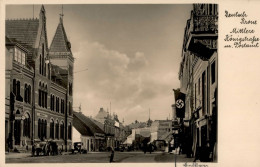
column 33, row 107
column 66, row 121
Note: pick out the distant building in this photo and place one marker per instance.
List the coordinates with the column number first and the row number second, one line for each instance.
column 159, row 128
column 102, row 115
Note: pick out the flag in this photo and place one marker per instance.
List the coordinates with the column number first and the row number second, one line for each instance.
column 179, row 103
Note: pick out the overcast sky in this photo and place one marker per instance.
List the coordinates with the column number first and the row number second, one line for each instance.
column 132, row 53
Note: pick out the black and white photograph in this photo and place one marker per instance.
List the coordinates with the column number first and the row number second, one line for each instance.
column 168, row 83
column 111, row 83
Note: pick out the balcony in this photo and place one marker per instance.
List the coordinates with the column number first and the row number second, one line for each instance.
column 201, row 35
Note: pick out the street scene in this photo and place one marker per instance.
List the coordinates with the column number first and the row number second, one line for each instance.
column 111, row 83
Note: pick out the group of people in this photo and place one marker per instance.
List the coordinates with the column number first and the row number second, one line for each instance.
column 46, row 148
column 148, row 148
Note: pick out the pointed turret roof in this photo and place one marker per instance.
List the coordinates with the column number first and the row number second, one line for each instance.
column 60, row 42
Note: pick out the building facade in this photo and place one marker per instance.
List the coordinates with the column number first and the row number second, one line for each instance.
column 38, row 91
column 199, row 80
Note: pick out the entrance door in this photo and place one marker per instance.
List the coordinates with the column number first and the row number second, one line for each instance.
column 17, row 132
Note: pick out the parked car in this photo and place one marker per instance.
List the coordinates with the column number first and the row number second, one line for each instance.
column 78, row 148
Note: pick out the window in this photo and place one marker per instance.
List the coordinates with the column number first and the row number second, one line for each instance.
column 42, row 101
column 62, row 130
column 45, row 129
column 25, row 93
column 29, row 94
column 69, row 131
column 19, row 56
column 57, row 104
column 52, row 129
column 40, row 66
column 14, row 87
column 62, row 106
column 39, row 99
column 213, row 72
column 49, row 71
column 70, row 89
column 51, row 102
column 57, row 130
column 39, row 128
column 16, row 54
column 17, row 90
column 26, row 126
column 23, row 58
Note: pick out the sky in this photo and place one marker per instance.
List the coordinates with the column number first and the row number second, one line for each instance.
column 132, row 53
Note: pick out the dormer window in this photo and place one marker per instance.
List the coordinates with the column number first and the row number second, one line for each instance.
column 19, row 56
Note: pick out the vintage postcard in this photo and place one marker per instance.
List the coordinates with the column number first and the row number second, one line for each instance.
column 103, row 83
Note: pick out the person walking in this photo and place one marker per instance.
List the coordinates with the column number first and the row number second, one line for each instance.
column 150, row 148
column 112, row 155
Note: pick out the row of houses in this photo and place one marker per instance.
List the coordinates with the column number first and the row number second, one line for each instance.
column 101, row 132
column 38, row 84
column 199, row 82
column 159, row 133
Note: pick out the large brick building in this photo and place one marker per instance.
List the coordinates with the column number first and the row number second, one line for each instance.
column 39, row 83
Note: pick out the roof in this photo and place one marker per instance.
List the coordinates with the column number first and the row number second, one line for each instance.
column 99, row 124
column 23, row 30
column 137, row 125
column 60, row 42
column 165, row 136
column 84, row 125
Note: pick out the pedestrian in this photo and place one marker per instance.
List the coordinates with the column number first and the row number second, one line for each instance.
column 197, row 153
column 33, row 150
column 112, row 155
column 145, row 147
column 150, row 148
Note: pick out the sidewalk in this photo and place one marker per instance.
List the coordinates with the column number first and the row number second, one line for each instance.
column 13, row 155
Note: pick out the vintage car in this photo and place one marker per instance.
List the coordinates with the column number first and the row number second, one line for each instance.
column 78, row 148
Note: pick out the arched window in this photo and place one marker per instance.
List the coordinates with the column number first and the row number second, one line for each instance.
column 62, row 130
column 57, row 130
column 42, row 130
column 26, row 126
column 39, row 128
column 52, row 129
column 43, row 94
column 45, row 123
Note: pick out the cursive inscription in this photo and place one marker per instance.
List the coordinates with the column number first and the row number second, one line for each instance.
column 243, row 35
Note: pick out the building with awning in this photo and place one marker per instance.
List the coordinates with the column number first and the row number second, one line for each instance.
column 92, row 136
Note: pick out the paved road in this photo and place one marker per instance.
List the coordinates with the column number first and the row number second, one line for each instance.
column 100, row 157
